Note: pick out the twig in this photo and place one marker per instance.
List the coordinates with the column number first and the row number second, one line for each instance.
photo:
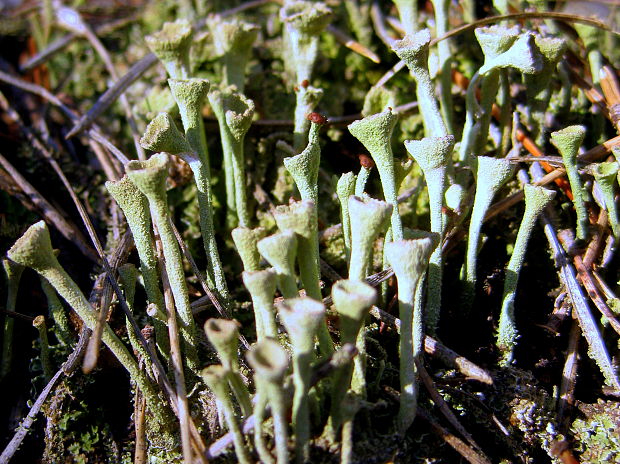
column 611, row 90
column 209, row 293
column 594, row 247
column 42, row 92
column 352, row 44
column 376, row 16
column 66, row 369
column 592, row 154
column 24, row 428
column 443, row 406
column 16, row 315
column 436, row 349
column 177, row 364
column 337, row 359
column 110, row 95
column 587, row 322
column 56, row 46
column 557, row 160
column 452, row 359
column 456, row 443
column 586, row 279
column 92, row 352
column 69, row 231
column 566, row 398
column 495, row 19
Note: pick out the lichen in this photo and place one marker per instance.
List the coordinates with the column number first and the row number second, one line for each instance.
column 597, row 434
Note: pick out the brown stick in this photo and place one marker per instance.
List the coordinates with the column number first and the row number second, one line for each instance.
column 436, row 349
column 456, row 443
column 444, row 408
column 566, row 399
column 51, row 214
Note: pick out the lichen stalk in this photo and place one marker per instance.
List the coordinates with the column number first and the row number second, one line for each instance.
column 344, row 189
column 270, row 363
column 234, row 113
column 307, row 98
column 13, row 273
column 352, row 299
column 537, row 86
column 34, row 250
column 301, row 318
column 304, row 168
column 492, row 173
column 128, row 277
column 362, row 180
column 536, row 200
column 224, row 335
column 39, row 324
column 301, row 218
column 246, row 240
column 375, row 132
column 442, row 25
column 409, row 259
column 408, row 13
column 304, row 22
column 605, row 174
column 280, row 250
column 568, row 141
column 135, row 206
column 502, row 50
column 171, row 46
column 413, row 50
column 150, row 178
column 262, row 287
column 162, row 135
column 216, row 378
column 433, row 154
column 233, row 41
column 369, row 217
column 493, row 40
column 57, row 313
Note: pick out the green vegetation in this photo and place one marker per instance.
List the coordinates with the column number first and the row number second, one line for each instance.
column 309, row 231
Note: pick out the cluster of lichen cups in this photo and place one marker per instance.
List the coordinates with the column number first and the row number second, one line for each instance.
column 283, row 364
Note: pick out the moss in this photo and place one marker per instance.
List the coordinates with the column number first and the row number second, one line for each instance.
column 597, row 434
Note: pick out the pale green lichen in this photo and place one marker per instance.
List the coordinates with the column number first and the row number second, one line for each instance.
column 375, row 133
column 150, row 178
column 245, row 241
column 34, row 250
column 492, row 173
column 409, row 259
column 162, row 135
column 262, row 287
column 302, row 318
column 171, row 45
column 280, row 250
column 233, row 41
column 597, row 434
column 224, row 336
column 568, row 141
column 536, row 200
column 434, row 154
column 234, row 113
column 344, row 189
column 270, row 362
column 413, row 50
